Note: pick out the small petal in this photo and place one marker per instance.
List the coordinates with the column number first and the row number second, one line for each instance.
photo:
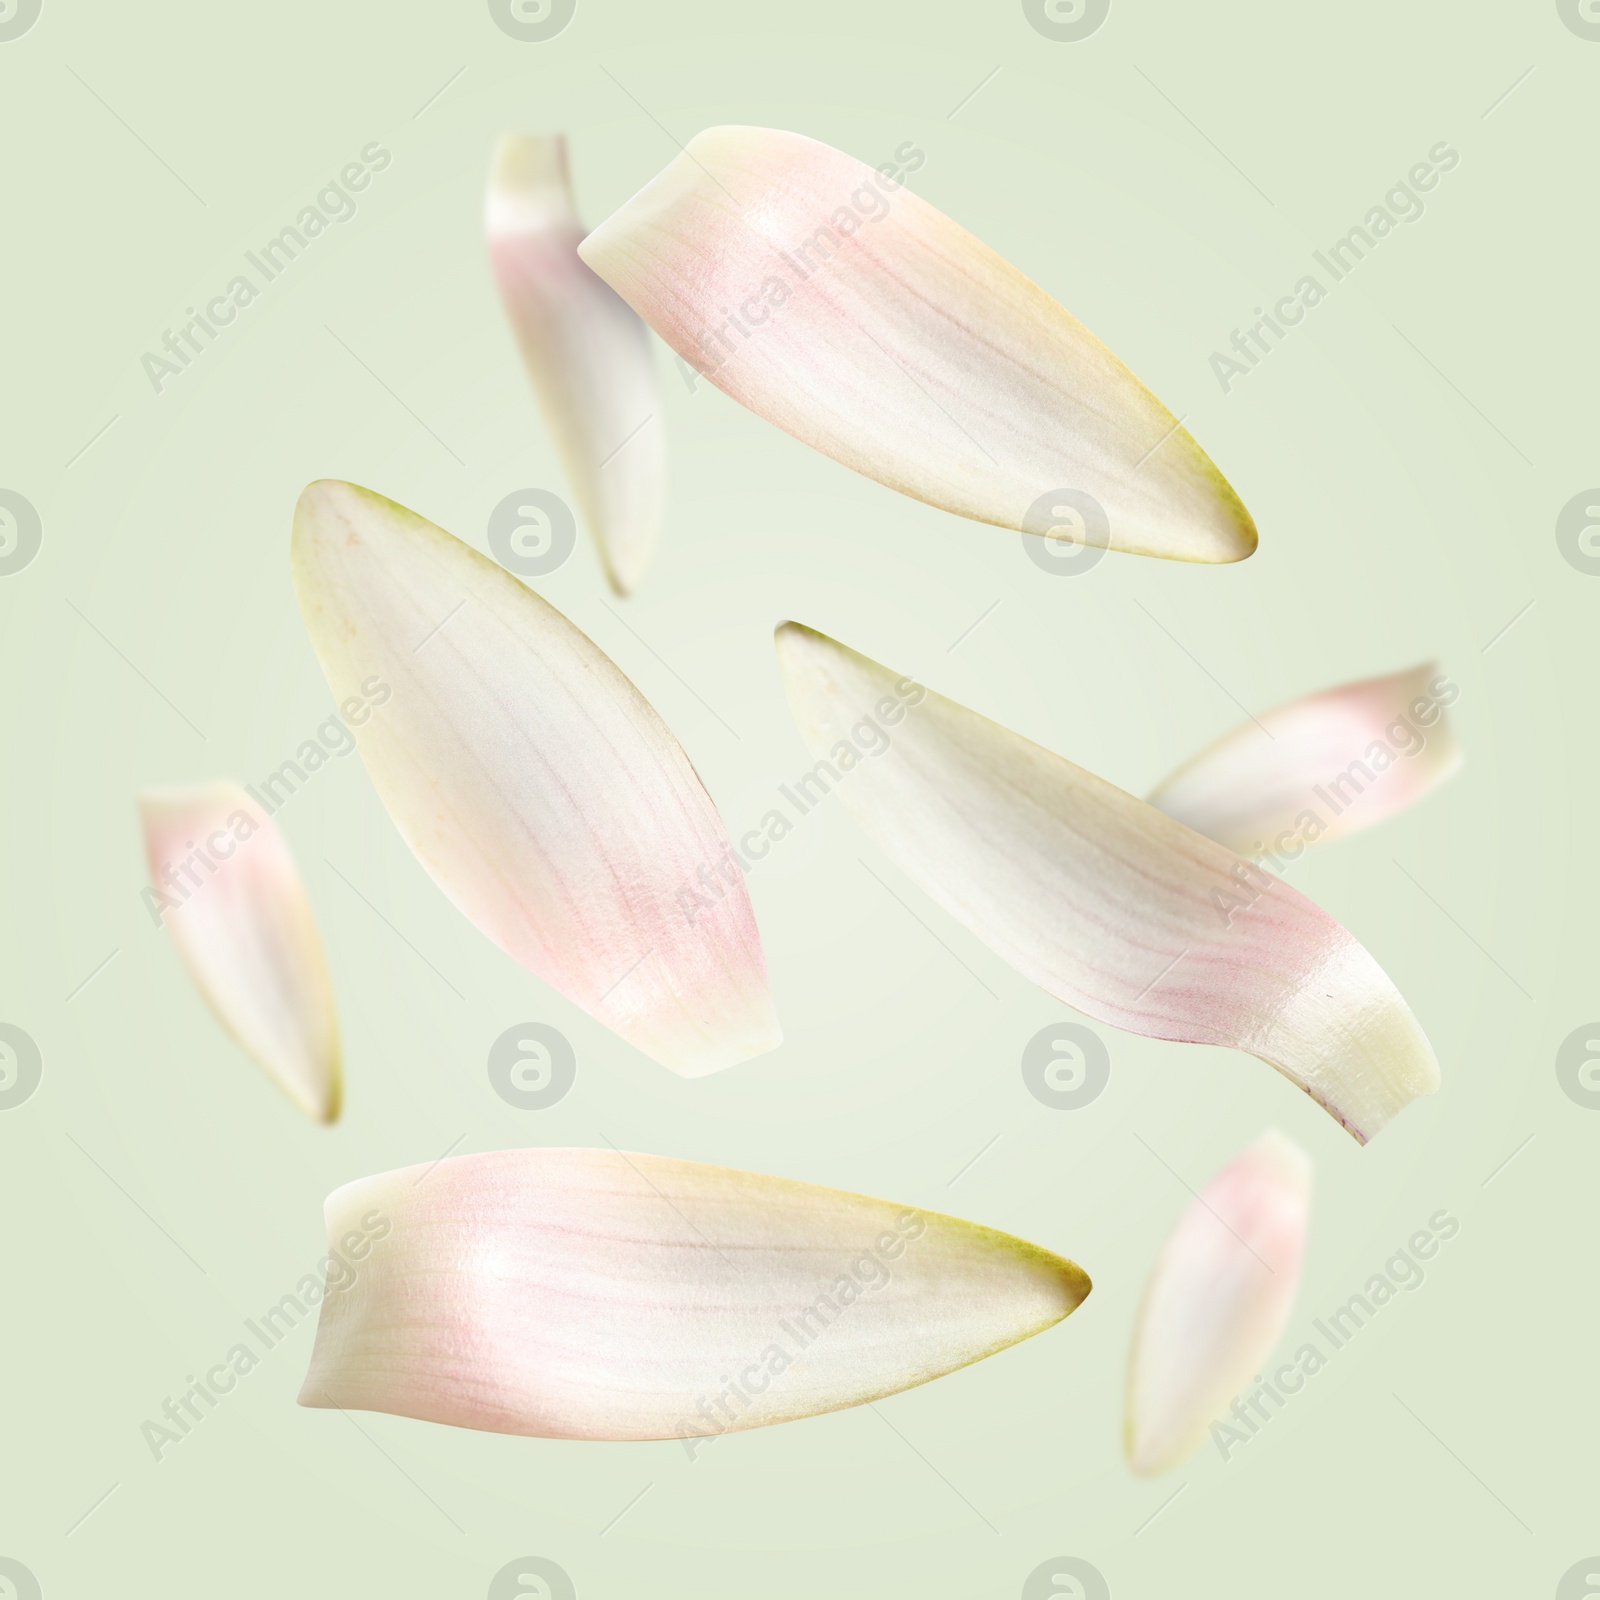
column 226, row 888
column 1321, row 767
column 1103, row 901
column 854, row 315
column 594, row 1294
column 1216, row 1302
column 534, row 782
column 589, row 356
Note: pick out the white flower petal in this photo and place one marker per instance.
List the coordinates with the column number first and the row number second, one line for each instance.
column 533, row 781
column 839, row 305
column 1103, row 901
column 1217, row 1301
column 589, row 356
column 593, row 1294
column 243, row 925
column 1319, row 768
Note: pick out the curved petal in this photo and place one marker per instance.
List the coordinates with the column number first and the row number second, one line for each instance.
column 1217, row 1301
column 593, row 1294
column 230, row 895
column 1103, row 901
column 1321, row 767
column 844, row 308
column 589, row 356
column 533, row 781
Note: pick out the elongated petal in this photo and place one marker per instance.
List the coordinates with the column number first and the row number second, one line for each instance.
column 592, row 1294
column 534, row 782
column 589, row 356
column 844, row 308
column 1321, row 767
column 1216, row 1302
column 1102, row 900
column 224, row 885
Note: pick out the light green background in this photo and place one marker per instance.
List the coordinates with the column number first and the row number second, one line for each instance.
column 1450, row 1447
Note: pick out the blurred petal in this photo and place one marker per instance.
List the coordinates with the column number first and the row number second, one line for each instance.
column 1100, row 899
column 1321, row 767
column 226, row 888
column 589, row 356
column 533, row 781
column 592, row 1294
column 1216, row 1302
column 851, row 313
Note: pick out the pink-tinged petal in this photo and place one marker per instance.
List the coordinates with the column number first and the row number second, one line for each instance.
column 1217, row 1301
column 593, row 1294
column 588, row 354
column 224, row 885
column 839, row 305
column 1321, row 767
column 533, row 781
column 1100, row 899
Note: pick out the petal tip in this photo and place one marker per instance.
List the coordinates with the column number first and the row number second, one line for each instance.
column 763, row 1038
column 1229, row 531
column 792, row 640
column 530, row 186
column 1246, row 540
column 1075, row 1284
column 623, row 564
column 332, row 1104
column 1144, row 1461
column 1277, row 1151
column 788, row 630
column 319, row 492
column 320, row 505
